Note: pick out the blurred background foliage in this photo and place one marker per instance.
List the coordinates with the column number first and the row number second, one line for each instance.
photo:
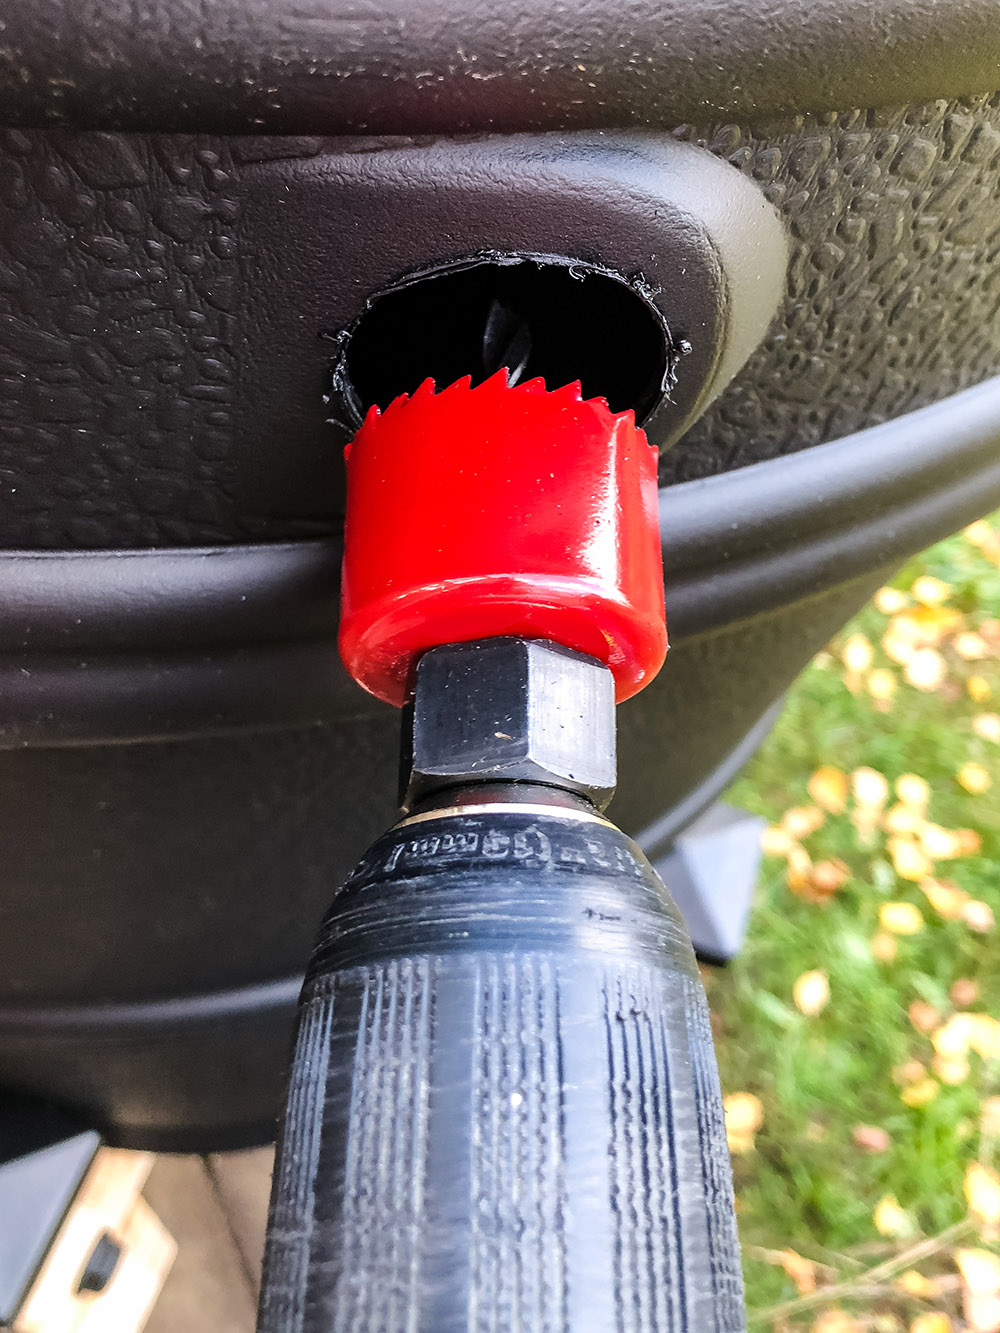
column 858, row 1031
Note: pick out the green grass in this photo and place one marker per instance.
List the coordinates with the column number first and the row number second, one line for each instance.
column 806, row 1185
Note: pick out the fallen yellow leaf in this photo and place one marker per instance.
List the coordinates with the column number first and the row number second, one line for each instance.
column 869, row 787
column 744, row 1116
column 952, row 1070
column 971, row 646
column 974, row 778
column 881, row 684
column 908, row 860
column 857, row 654
column 991, row 548
column 811, row 993
column 980, row 1272
column 913, row 791
column 915, row 1284
column 799, row 863
column 890, row 1219
column 933, row 1321
column 978, row 916
column 964, row 991
column 989, row 1123
column 987, row 727
column 982, row 1194
column 871, row 1138
column 940, row 844
column 799, row 866
column 930, row 591
column 918, row 627
column 952, row 1039
column 926, row 670
column 866, row 819
column 947, row 899
column 904, row 820
column 814, row 883
column 919, row 1094
column 911, row 1072
column 884, row 948
column 828, row 788
column 984, row 1036
column 802, row 1271
column 945, row 844
column 836, row 1321
column 965, row 1032
column 935, row 623
column 979, row 688
column 899, row 641
column 802, row 820
column 890, row 600
column 776, row 841
column 827, row 877
column 979, row 533
column 969, row 841
column 923, row 1016
column 900, row 918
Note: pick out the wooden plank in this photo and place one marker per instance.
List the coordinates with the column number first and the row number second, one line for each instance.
column 148, row 1253
column 243, row 1185
column 207, row 1290
column 107, row 1201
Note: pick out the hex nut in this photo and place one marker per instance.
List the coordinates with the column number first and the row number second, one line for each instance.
column 511, row 710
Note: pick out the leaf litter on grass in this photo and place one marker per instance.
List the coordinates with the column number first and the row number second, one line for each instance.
column 859, row 1042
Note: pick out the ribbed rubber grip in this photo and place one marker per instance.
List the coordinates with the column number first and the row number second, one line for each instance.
column 518, row 1130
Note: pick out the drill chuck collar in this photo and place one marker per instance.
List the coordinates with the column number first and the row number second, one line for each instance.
column 503, row 1113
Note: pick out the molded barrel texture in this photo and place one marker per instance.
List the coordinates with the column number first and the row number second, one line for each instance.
column 504, row 1112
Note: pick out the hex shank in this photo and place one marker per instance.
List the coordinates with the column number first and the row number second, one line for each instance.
column 510, row 710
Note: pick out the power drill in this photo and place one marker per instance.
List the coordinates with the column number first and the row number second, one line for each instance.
column 503, row 1110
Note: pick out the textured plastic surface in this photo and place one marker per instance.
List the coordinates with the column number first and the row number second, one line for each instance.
column 151, row 645
column 500, row 510
column 420, row 66
column 176, row 409
column 179, row 400
column 175, row 1038
column 504, row 1112
column 178, row 404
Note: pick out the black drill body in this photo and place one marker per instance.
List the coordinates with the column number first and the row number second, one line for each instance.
column 504, row 1112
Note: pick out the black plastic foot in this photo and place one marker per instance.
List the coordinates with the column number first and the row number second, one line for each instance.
column 711, row 873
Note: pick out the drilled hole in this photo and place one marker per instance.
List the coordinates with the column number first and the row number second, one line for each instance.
column 537, row 316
